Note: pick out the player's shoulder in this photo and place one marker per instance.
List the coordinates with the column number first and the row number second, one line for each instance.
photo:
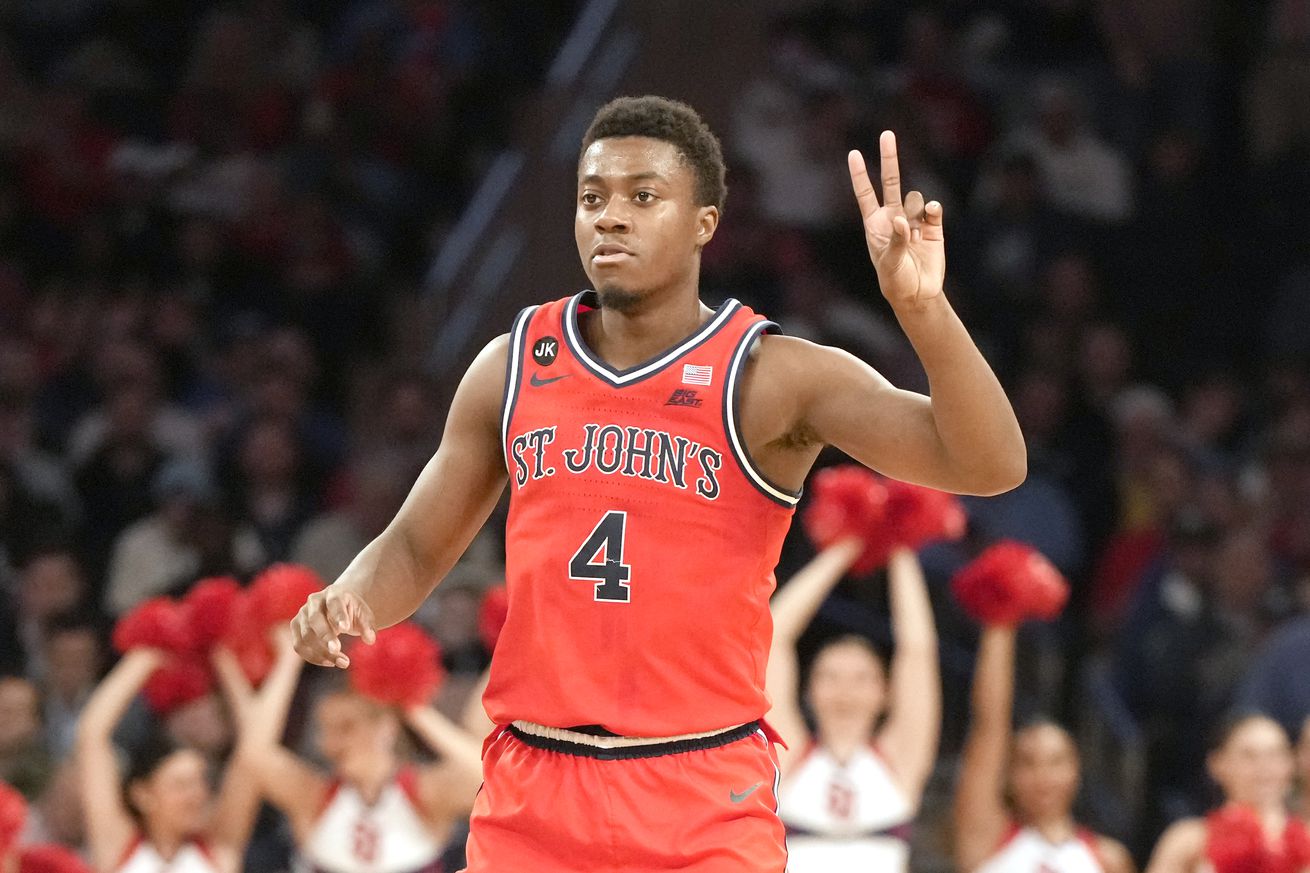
column 796, row 358
column 483, row 382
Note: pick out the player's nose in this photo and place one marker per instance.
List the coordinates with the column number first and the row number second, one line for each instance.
column 613, row 219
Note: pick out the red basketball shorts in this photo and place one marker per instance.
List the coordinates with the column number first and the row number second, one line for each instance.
column 696, row 806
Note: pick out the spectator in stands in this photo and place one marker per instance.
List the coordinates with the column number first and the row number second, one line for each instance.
column 50, row 583
column 169, row 547
column 74, row 656
column 1276, row 681
column 1084, row 176
column 24, row 761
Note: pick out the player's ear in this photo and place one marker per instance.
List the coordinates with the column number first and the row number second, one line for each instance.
column 707, row 221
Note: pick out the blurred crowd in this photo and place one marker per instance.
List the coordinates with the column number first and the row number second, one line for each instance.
column 215, row 219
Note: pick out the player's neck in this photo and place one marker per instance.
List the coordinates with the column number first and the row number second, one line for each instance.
column 637, row 333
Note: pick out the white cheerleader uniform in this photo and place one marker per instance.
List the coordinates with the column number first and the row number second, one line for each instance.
column 843, row 817
column 387, row 836
column 142, row 857
column 1025, row 850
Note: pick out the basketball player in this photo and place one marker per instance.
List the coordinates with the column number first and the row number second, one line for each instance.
column 850, row 791
column 655, row 450
column 372, row 813
column 1036, row 769
column 158, row 814
column 1253, row 764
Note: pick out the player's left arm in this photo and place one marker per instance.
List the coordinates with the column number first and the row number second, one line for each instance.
column 964, row 437
column 909, row 736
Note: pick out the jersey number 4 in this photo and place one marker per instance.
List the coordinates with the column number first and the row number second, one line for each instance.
column 600, row 557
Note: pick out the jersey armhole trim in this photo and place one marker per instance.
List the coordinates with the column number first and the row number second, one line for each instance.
column 518, row 336
column 732, row 418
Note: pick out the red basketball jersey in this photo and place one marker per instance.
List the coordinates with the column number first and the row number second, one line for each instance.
column 641, row 540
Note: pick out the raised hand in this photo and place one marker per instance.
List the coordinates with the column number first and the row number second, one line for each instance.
column 317, row 629
column 905, row 240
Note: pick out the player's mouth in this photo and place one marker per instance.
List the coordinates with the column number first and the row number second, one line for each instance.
column 610, row 253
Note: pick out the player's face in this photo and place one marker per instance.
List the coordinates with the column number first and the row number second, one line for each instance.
column 1043, row 773
column 847, row 683
column 175, row 798
column 352, row 732
column 1255, row 765
column 638, row 226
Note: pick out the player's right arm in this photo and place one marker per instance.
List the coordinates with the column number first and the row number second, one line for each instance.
column 980, row 815
column 109, row 825
column 449, row 503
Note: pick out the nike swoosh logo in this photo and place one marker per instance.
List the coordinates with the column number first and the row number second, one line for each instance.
column 738, row 798
column 537, row 381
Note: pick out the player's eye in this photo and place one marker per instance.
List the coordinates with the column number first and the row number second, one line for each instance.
column 645, row 197
column 590, row 198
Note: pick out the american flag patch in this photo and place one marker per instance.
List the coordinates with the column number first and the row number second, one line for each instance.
column 694, row 375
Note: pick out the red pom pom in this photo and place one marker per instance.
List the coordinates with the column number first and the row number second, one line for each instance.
column 157, row 623
column 491, row 615
column 1235, row 843
column 247, row 638
column 917, row 515
column 848, row 501
column 13, row 815
column 1009, row 583
column 402, row 668
column 176, row 684
column 255, row 656
column 1296, row 845
column 209, row 607
column 49, row 858
column 278, row 593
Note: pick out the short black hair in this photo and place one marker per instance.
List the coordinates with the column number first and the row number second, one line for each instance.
column 673, row 122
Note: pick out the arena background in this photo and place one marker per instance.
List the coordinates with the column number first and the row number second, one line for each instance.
column 247, row 248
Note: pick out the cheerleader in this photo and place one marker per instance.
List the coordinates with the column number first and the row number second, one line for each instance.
column 1015, row 795
column 157, row 813
column 1252, row 832
column 372, row 813
column 850, row 790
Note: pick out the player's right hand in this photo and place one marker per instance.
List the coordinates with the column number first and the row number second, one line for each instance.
column 317, row 629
